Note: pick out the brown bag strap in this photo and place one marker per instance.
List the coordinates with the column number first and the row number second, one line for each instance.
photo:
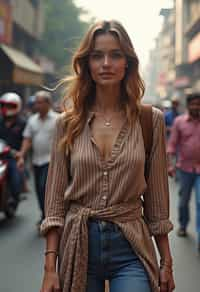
column 147, row 132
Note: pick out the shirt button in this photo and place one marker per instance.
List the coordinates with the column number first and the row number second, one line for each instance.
column 105, row 173
column 104, row 197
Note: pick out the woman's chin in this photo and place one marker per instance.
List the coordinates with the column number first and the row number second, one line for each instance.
column 108, row 83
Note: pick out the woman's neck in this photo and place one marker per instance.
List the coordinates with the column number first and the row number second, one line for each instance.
column 107, row 100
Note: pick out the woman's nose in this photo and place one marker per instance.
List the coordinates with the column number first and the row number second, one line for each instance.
column 106, row 60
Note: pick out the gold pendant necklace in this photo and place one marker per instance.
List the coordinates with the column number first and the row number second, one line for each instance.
column 107, row 121
column 107, row 124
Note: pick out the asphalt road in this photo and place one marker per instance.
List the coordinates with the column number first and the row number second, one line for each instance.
column 21, row 250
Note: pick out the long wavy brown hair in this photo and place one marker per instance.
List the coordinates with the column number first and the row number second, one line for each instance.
column 82, row 89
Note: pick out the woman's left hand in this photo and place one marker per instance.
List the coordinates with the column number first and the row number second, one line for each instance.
column 166, row 279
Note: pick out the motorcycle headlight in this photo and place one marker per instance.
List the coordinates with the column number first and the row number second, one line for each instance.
column 2, row 169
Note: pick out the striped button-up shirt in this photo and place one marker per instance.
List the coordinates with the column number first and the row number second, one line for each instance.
column 82, row 185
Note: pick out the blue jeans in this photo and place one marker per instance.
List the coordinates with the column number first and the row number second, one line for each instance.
column 112, row 258
column 187, row 182
column 40, row 175
column 15, row 178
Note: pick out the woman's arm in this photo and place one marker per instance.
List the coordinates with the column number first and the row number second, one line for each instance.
column 156, row 197
column 57, row 182
column 55, row 209
column 156, row 202
column 162, row 243
column 166, row 271
column 52, row 243
column 51, row 280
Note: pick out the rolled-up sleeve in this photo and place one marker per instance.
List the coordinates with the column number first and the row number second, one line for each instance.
column 57, row 182
column 156, row 197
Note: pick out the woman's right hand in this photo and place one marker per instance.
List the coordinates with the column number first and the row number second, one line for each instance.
column 50, row 282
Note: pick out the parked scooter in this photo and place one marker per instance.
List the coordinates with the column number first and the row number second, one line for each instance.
column 6, row 201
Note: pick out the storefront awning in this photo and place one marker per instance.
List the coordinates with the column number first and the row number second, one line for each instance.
column 25, row 70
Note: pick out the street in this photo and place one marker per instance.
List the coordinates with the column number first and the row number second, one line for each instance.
column 21, row 250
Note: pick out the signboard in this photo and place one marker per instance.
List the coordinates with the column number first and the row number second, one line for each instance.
column 194, row 49
column 5, row 22
column 182, row 82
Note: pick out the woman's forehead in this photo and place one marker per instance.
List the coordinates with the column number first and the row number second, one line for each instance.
column 106, row 41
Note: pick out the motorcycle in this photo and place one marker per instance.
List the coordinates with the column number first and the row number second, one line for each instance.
column 6, row 201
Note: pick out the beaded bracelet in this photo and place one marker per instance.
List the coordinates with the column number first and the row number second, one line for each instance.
column 51, row 251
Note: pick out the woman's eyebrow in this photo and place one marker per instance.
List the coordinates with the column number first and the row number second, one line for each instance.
column 102, row 51
column 96, row 51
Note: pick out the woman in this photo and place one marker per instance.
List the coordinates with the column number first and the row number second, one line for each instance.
column 94, row 214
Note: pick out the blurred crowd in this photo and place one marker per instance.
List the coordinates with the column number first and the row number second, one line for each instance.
column 26, row 130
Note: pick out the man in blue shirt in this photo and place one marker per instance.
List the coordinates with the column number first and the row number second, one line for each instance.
column 171, row 114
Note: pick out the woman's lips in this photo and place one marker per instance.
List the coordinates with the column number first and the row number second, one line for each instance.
column 106, row 74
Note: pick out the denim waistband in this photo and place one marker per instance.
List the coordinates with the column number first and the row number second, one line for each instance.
column 104, row 225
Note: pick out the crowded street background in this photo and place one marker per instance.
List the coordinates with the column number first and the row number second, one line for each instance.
column 37, row 39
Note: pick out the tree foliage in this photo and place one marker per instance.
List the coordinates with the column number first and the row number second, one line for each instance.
column 63, row 30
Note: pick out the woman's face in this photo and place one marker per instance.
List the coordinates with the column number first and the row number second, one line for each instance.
column 107, row 62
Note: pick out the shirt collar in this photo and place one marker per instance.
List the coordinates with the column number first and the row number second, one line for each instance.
column 189, row 118
column 48, row 115
column 91, row 115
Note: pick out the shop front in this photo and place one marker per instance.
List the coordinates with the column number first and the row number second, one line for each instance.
column 18, row 72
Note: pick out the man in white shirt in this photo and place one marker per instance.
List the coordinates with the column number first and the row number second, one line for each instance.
column 38, row 135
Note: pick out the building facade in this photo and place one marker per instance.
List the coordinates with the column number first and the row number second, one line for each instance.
column 193, row 38
column 187, row 46
column 161, row 68
column 21, row 27
column 176, row 56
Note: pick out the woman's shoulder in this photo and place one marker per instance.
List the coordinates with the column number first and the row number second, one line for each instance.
column 61, row 117
column 157, row 116
column 61, row 120
column 157, row 112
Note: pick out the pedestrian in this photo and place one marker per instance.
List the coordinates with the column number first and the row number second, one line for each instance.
column 11, row 132
column 171, row 114
column 37, row 136
column 30, row 106
column 185, row 137
column 94, row 224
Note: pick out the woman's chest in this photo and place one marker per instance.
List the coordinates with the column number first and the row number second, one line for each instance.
column 122, row 147
column 104, row 137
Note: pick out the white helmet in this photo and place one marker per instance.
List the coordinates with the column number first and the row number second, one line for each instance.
column 10, row 104
column 166, row 104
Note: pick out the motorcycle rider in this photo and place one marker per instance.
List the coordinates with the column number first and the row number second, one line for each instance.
column 11, row 129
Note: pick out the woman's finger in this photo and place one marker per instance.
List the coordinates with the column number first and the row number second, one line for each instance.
column 171, row 286
column 56, row 289
column 163, row 287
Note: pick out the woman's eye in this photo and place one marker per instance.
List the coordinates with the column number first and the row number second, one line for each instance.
column 96, row 56
column 112, row 55
column 117, row 55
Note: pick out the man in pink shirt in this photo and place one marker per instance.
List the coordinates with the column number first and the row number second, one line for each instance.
column 185, row 137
